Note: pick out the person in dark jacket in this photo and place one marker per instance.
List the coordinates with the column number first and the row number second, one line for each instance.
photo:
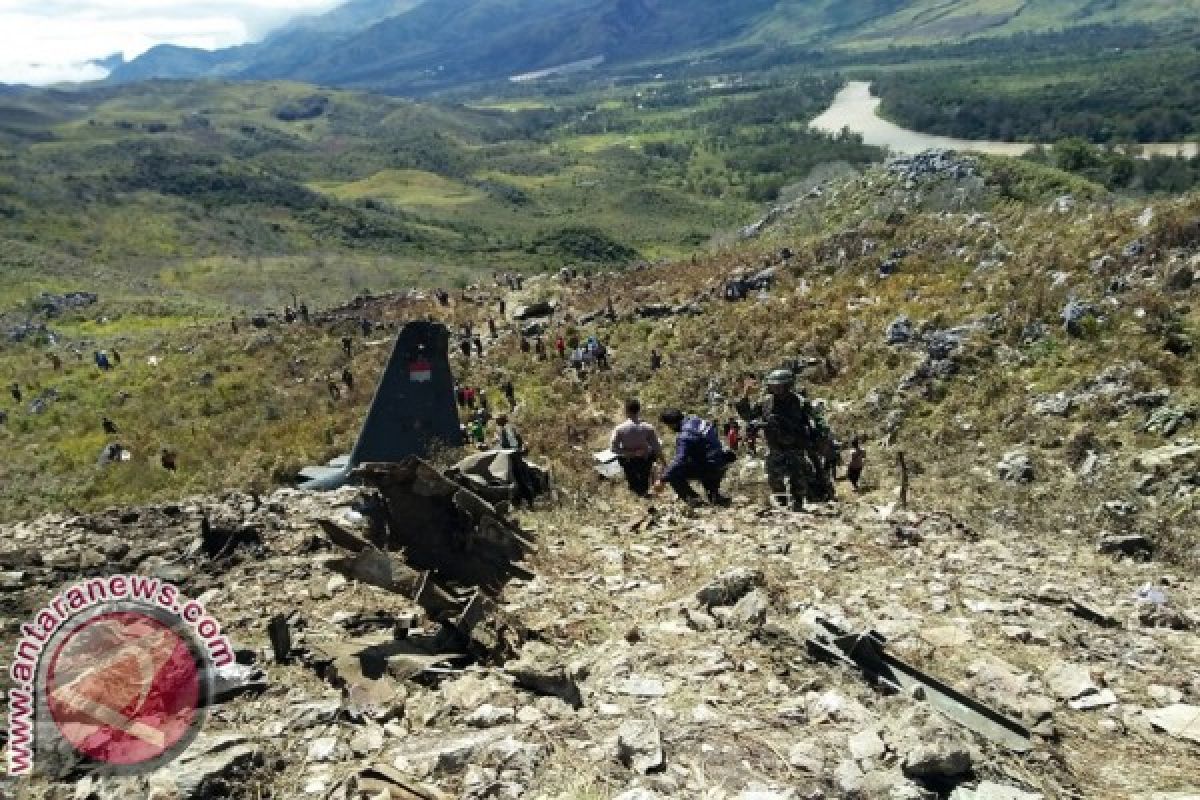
column 508, row 438
column 699, row 456
column 786, row 420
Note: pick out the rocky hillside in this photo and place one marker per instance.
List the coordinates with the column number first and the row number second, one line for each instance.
column 1024, row 340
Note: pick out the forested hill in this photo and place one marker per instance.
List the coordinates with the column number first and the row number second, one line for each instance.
column 407, row 46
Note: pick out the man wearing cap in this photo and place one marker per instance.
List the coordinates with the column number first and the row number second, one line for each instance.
column 787, row 426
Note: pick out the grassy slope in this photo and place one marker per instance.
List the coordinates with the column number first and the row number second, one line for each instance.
column 883, row 24
column 179, row 188
column 267, row 412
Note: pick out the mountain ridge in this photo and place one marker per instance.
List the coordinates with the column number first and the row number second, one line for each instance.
column 409, row 46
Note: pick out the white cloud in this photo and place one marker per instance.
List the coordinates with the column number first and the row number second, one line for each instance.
column 47, row 41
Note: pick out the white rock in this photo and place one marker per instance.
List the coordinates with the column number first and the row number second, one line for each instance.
column 1069, row 681
column 528, row 715
column 1166, row 695
column 638, row 686
column 1100, row 699
column 322, row 749
column 993, row 791
column 807, row 757
column 489, row 716
column 1179, row 720
column 866, row 746
column 639, row 745
column 638, row 794
column 948, row 636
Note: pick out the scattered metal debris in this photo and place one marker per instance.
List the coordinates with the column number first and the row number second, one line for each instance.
column 865, row 652
column 458, row 553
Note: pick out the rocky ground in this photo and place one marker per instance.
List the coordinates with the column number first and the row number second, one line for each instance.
column 664, row 656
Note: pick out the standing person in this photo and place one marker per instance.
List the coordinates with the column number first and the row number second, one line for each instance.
column 491, row 323
column 479, row 346
column 823, row 454
column 601, row 355
column 637, row 447
column 752, row 432
column 348, row 379
column 304, row 315
column 116, row 356
column 525, row 347
column 469, row 394
column 698, row 457
column 503, row 307
column 854, row 468
column 510, row 394
column 478, row 433
column 347, row 346
column 539, row 348
column 733, row 434
column 483, row 398
column 15, row 390
column 55, row 361
column 460, row 396
column 656, row 361
column 233, row 325
column 507, row 436
column 465, row 347
column 560, row 345
column 787, row 425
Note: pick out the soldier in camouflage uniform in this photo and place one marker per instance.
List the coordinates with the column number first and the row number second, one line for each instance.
column 823, row 454
column 786, row 421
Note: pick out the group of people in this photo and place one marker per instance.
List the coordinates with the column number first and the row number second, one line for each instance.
column 588, row 355
column 802, row 455
column 515, row 281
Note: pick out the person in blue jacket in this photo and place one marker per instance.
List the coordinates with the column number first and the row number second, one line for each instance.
column 699, row 456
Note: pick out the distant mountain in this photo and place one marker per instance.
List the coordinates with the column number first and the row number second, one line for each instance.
column 408, row 46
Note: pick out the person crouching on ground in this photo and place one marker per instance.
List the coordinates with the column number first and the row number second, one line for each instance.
column 698, row 457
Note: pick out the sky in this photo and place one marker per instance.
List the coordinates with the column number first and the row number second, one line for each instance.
column 49, row 41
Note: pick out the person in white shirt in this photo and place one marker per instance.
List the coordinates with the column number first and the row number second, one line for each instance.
column 637, row 447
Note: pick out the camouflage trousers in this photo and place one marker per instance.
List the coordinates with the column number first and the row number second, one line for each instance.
column 790, row 474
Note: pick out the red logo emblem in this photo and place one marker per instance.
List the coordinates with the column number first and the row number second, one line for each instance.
column 124, row 688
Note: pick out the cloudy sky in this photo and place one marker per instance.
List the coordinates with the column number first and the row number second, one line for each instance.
column 45, row 41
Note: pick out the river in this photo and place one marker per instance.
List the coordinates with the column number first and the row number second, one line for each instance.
column 855, row 108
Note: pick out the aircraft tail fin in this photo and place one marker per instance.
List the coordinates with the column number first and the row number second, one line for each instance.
column 413, row 409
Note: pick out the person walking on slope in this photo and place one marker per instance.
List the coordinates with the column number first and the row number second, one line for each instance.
column 637, row 447
column 787, row 425
column 698, row 457
column 508, row 438
column 854, row 468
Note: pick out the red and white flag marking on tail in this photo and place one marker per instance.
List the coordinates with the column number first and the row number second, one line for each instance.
column 420, row 371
